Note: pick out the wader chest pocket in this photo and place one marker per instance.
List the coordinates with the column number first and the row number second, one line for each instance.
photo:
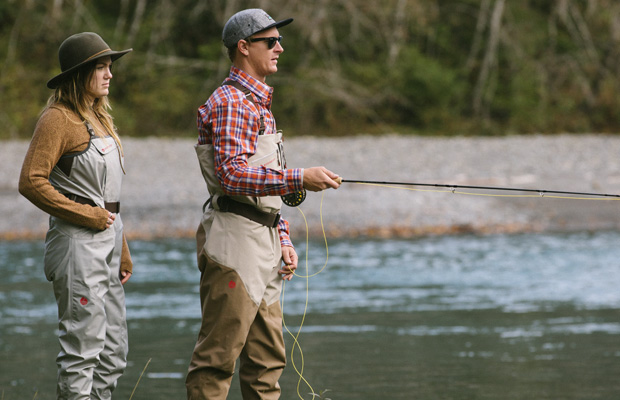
column 105, row 145
column 271, row 160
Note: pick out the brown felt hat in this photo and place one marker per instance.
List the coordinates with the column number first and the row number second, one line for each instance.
column 80, row 49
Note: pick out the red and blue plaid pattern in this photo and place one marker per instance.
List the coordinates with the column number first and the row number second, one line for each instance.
column 231, row 123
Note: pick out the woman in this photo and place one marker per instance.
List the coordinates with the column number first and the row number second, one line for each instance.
column 73, row 171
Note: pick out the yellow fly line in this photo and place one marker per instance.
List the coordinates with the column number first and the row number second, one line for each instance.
column 406, row 186
column 296, row 345
column 454, row 190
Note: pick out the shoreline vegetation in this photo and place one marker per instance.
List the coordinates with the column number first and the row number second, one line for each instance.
column 449, row 67
column 163, row 191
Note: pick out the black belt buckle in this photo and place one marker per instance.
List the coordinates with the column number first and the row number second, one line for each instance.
column 276, row 220
column 222, row 203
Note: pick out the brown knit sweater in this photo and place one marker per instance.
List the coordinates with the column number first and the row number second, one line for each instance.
column 60, row 132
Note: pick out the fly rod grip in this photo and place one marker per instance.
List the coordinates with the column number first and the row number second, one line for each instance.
column 339, row 180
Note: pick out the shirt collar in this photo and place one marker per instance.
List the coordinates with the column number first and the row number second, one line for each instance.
column 260, row 89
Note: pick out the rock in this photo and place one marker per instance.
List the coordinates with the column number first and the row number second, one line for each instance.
column 163, row 191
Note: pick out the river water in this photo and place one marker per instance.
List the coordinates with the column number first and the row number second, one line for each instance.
column 533, row 316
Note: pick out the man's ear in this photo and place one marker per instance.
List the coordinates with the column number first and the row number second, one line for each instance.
column 242, row 46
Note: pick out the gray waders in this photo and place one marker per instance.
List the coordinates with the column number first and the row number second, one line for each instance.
column 83, row 265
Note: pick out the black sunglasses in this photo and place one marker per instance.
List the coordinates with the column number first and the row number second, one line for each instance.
column 271, row 41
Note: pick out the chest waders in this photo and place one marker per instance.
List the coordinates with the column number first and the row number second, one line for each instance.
column 83, row 265
column 239, row 255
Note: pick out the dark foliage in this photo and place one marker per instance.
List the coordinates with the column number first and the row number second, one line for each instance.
column 441, row 67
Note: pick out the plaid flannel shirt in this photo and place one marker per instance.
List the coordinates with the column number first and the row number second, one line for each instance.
column 231, row 123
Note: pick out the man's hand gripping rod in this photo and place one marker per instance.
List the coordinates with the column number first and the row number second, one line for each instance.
column 296, row 198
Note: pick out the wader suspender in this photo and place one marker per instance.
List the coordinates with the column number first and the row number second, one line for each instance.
column 248, row 95
column 65, row 163
column 227, row 204
column 291, row 199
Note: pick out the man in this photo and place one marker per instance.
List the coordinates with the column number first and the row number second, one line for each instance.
column 242, row 241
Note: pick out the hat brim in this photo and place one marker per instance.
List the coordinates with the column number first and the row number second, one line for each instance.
column 57, row 80
column 279, row 24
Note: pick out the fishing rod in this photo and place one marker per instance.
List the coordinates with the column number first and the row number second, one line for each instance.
column 295, row 199
column 541, row 192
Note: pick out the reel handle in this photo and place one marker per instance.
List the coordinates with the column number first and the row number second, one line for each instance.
column 295, row 199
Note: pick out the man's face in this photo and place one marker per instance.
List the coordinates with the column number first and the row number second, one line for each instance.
column 262, row 59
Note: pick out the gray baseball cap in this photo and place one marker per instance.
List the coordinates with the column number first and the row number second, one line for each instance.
column 248, row 22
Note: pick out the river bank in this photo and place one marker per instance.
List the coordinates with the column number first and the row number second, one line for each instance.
column 163, row 191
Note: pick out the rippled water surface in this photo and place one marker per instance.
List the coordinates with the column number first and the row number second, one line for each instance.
column 463, row 317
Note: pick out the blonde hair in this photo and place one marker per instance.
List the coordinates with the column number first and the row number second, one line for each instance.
column 74, row 94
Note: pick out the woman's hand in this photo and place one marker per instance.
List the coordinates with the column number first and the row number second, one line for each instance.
column 125, row 275
column 110, row 221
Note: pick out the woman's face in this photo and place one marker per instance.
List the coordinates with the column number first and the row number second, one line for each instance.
column 100, row 79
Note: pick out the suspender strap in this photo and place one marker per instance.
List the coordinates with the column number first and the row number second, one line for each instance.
column 225, row 203
column 248, row 95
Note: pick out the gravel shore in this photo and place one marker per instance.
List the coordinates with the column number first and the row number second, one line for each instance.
column 163, row 191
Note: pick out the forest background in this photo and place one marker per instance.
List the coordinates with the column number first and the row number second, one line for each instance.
column 429, row 67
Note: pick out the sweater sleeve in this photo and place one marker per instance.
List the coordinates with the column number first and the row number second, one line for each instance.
column 56, row 133
column 126, row 262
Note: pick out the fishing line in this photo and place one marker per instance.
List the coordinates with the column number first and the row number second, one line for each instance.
column 303, row 318
column 454, row 191
column 295, row 199
column 296, row 344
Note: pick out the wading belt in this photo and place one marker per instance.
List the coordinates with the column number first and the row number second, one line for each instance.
column 227, row 204
column 113, row 207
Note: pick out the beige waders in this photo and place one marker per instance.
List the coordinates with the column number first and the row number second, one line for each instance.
column 83, row 265
column 240, row 288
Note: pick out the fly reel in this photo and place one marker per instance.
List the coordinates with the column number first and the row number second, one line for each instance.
column 294, row 199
